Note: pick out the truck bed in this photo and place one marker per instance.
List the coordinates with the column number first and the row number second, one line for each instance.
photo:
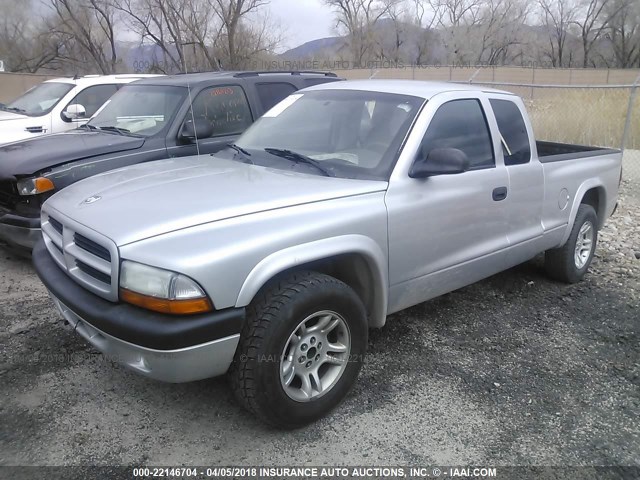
column 557, row 152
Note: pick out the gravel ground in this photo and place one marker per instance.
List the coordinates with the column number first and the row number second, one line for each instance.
column 514, row 370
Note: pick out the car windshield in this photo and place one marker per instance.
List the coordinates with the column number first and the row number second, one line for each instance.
column 341, row 133
column 139, row 110
column 39, row 100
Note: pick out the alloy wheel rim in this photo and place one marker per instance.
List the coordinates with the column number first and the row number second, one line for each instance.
column 315, row 356
column 584, row 245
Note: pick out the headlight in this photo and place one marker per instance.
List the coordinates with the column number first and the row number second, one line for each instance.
column 33, row 186
column 161, row 290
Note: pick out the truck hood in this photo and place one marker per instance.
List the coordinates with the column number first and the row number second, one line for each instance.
column 9, row 116
column 142, row 201
column 28, row 157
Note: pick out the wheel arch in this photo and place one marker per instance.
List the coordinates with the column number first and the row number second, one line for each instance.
column 591, row 193
column 597, row 198
column 354, row 259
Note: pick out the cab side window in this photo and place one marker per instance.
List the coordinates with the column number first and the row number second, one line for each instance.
column 461, row 124
column 92, row 98
column 515, row 145
column 226, row 108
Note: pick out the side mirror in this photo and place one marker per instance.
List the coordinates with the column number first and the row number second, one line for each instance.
column 199, row 129
column 440, row 161
column 74, row 112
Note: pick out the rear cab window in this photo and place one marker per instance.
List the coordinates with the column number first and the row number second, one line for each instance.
column 515, row 139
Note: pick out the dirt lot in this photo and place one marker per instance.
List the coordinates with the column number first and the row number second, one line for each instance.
column 516, row 369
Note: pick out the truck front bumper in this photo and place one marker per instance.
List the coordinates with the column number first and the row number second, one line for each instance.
column 164, row 347
column 19, row 232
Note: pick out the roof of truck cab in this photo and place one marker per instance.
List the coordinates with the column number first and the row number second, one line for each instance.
column 90, row 80
column 197, row 79
column 416, row 88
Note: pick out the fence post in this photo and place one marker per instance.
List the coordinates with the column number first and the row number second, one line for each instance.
column 627, row 122
column 533, row 79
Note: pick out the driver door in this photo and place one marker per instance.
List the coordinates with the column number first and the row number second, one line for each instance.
column 226, row 108
column 445, row 231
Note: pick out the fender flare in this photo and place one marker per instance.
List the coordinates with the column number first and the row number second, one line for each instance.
column 582, row 190
column 290, row 257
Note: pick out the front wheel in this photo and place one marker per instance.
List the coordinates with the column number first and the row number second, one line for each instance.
column 570, row 262
column 301, row 349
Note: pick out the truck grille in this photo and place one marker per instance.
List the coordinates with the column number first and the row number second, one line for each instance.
column 92, row 247
column 8, row 195
column 88, row 258
column 56, row 224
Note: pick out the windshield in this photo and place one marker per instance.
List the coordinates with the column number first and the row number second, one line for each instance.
column 139, row 109
column 40, row 99
column 342, row 133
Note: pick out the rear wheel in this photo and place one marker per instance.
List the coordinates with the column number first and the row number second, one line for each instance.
column 301, row 349
column 570, row 262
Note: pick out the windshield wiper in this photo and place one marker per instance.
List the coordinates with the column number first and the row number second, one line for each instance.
column 13, row 109
column 299, row 158
column 240, row 150
column 88, row 127
column 121, row 131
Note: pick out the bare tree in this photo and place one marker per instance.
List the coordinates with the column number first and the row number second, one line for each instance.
column 624, row 33
column 90, row 25
column 158, row 23
column 254, row 40
column 455, row 13
column 497, row 27
column 26, row 43
column 201, row 34
column 557, row 16
column 232, row 13
column 425, row 16
column 204, row 31
column 392, row 36
column 357, row 18
column 458, row 19
column 592, row 20
column 79, row 36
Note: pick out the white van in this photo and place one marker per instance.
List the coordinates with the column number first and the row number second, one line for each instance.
column 57, row 105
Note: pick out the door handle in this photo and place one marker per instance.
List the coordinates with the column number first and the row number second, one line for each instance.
column 499, row 193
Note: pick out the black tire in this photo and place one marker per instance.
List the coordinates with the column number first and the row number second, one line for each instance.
column 560, row 263
column 271, row 318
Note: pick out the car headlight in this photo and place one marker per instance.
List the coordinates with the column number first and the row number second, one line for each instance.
column 161, row 290
column 33, row 186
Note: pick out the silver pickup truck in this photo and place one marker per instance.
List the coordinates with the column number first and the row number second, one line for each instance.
column 343, row 204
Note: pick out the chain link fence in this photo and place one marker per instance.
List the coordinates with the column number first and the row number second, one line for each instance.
column 605, row 114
